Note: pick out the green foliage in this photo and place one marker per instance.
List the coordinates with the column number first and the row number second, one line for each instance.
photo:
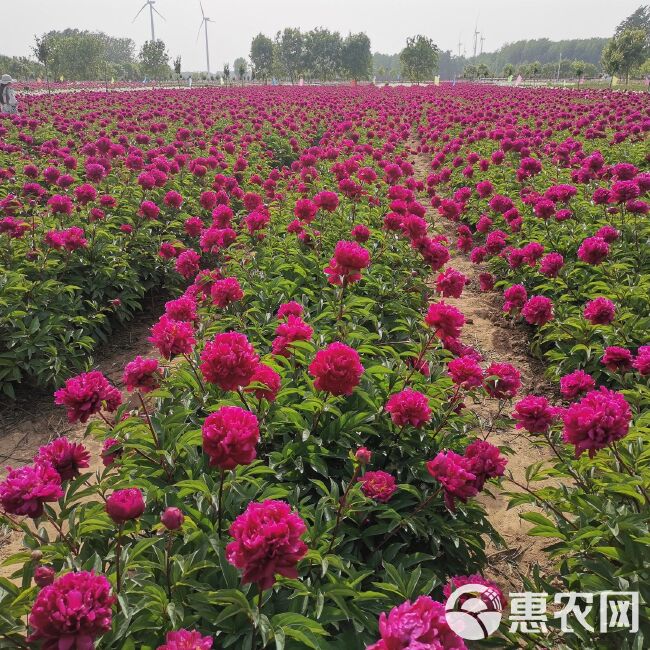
column 261, row 56
column 419, row 59
column 154, row 60
column 356, row 59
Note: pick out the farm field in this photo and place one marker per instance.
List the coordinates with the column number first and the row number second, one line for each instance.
column 403, row 347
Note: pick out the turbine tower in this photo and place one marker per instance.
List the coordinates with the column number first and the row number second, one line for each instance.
column 476, row 33
column 204, row 25
column 150, row 4
column 482, row 41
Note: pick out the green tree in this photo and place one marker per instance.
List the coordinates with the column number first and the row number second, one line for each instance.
column 291, row 52
column 262, row 56
column 154, row 59
column 639, row 19
column 482, row 71
column 177, row 65
column 419, row 59
column 626, row 51
column 578, row 68
column 356, row 58
column 240, row 68
column 226, row 71
column 508, row 70
column 470, row 71
column 322, row 54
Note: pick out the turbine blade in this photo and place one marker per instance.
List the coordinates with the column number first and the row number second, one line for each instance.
column 202, row 12
column 199, row 32
column 156, row 10
column 139, row 12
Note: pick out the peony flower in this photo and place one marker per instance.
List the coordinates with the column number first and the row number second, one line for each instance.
column 484, row 460
column 535, row 414
column 72, row 612
column 328, row 201
column 502, row 380
column 172, row 518
column 642, row 361
column 186, row 640
column 294, row 329
column 125, row 505
column 172, row 337
column 451, row 283
column 476, row 579
column 593, row 250
column 600, row 311
column 25, row 489
column 187, row 263
column 86, row 394
column 379, row 486
column 465, row 372
column 551, row 265
column 421, row 625
column 110, row 451
column 597, row 420
column 141, row 374
column 183, row 308
column 337, row 369
column 267, row 542
column 409, row 407
column 230, row 435
column 291, row 308
column 363, row 455
column 44, row 576
column 229, row 361
column 66, row 457
column 576, row 383
column 226, row 291
column 269, row 383
column 486, row 281
column 538, row 310
column 617, row 359
column 346, row 265
column 515, row 298
column 445, row 320
column 451, row 470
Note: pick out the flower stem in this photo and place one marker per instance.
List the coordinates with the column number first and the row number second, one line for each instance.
column 220, row 514
column 342, row 503
column 146, row 414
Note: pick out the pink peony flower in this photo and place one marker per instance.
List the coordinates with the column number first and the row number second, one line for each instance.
column 642, row 361
column 125, row 505
column 187, row 263
column 551, row 265
column 183, row 308
column 598, row 419
column 451, row 283
column 485, row 461
column 172, row 518
column 267, row 542
column 379, row 486
column 451, row 470
column 85, row 395
column 25, row 489
column 110, row 451
column 229, row 361
column 186, row 640
column 66, row 457
column 326, row 200
column 502, row 380
column 293, row 329
column 515, row 298
column 291, row 308
column 226, row 291
column 486, row 281
column 44, row 576
column 600, row 311
column 445, row 320
column 535, row 414
column 617, row 359
column 363, row 455
column 269, row 383
column 538, row 310
column 72, row 612
column 575, row 384
column 421, row 625
column 409, row 407
column 593, row 250
column 476, row 579
column 172, row 337
column 230, row 435
column 346, row 265
column 141, row 374
column 337, row 369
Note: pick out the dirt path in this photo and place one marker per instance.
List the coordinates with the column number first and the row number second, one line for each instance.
column 33, row 420
column 498, row 341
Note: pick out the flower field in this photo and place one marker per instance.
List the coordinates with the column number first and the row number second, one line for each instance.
column 306, row 461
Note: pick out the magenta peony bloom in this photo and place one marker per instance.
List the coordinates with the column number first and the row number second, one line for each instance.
column 326, row 200
column 293, row 329
column 484, row 460
column 551, row 265
column 229, row 361
column 617, row 359
column 172, row 337
column 379, row 486
column 85, row 395
column 186, row 640
column 360, row 233
column 305, row 210
column 337, row 369
column 291, row 308
column 421, row 625
column 25, row 489
column 269, row 381
column 141, row 374
column 502, row 380
column 465, row 372
column 183, row 308
column 230, row 435
column 125, row 505
column 409, row 407
column 535, row 414
column 187, row 263
column 575, row 384
column 445, row 320
column 600, row 311
column 486, row 281
column 267, row 542
column 538, row 310
column 66, row 457
column 451, row 283
column 72, row 612
column 172, row 518
column 226, row 291
column 515, row 298
column 451, row 470
column 44, row 576
column 598, row 419
column 346, row 265
column 110, row 451
column 476, row 579
column 363, row 455
column 593, row 250
column 642, row 361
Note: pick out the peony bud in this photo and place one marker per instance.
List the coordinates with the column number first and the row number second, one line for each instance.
column 172, row 518
column 363, row 455
column 125, row 505
column 44, row 575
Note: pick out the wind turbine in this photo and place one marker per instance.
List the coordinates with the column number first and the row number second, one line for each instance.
column 482, row 41
column 204, row 25
column 151, row 4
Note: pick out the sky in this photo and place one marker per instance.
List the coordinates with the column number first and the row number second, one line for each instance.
column 387, row 22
